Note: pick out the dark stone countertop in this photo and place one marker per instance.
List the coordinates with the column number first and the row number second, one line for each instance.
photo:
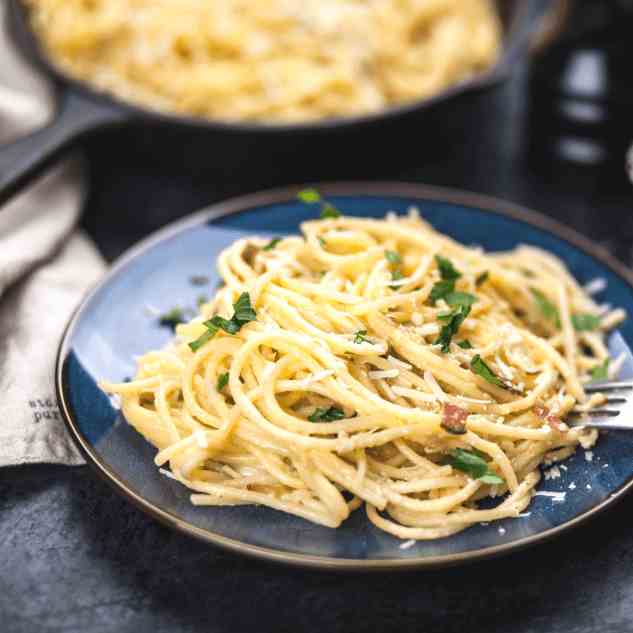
column 76, row 557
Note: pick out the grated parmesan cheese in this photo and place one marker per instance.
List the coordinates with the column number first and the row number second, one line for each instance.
column 572, row 486
column 167, row 473
column 552, row 473
column 407, row 544
column 414, row 394
column 383, row 373
column 434, row 386
column 429, row 329
column 316, row 377
column 556, row 497
column 398, row 363
column 201, row 439
column 589, row 456
column 506, row 371
column 595, row 286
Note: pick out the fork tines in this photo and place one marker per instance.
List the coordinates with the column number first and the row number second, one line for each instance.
column 606, row 387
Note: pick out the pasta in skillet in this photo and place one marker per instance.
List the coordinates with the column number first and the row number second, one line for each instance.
column 269, row 60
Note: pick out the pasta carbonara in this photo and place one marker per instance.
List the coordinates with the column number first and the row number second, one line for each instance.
column 269, row 60
column 374, row 362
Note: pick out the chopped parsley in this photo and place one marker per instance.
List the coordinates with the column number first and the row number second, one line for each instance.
column 243, row 313
column 396, row 275
column 445, row 289
column 172, row 318
column 601, row 371
column 322, row 242
column 453, row 321
column 456, row 298
column 447, row 270
column 359, row 337
column 482, row 279
column 441, row 290
column 223, row 381
column 465, row 344
column 547, row 308
column 272, row 244
column 329, row 211
column 479, row 367
column 474, row 465
column 327, row 415
column 309, row 196
column 202, row 299
column 199, row 280
column 585, row 322
column 392, row 257
column 312, row 196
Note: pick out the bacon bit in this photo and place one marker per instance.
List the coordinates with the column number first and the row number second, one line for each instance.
column 454, row 419
column 554, row 421
column 541, row 411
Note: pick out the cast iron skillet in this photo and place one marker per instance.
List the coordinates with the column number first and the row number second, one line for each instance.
column 82, row 110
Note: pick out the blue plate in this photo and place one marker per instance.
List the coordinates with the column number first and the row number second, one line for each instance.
column 117, row 321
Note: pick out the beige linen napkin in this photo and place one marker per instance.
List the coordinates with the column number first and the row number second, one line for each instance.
column 46, row 266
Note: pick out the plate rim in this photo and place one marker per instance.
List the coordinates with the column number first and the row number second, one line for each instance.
column 482, row 202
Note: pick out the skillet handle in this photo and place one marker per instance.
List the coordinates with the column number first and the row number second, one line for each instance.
column 534, row 34
column 25, row 158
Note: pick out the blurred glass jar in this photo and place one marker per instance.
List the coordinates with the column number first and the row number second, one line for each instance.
column 581, row 94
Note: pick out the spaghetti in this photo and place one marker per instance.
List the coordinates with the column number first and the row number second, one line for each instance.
column 373, row 361
column 269, row 60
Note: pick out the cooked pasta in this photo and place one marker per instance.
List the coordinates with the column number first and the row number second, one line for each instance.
column 269, row 60
column 377, row 362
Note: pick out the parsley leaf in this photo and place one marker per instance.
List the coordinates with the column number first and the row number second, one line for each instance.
column 480, row 368
column 223, row 381
column 447, row 270
column 482, row 279
column 172, row 318
column 478, row 365
column 585, row 322
column 309, row 196
column 396, row 275
column 547, row 308
column 312, row 196
column 473, row 465
column 392, row 257
column 204, row 338
column 359, row 337
column 453, row 320
column 243, row 309
column 441, row 289
column 327, row 415
column 460, row 298
column 272, row 244
column 601, row 371
column 465, row 344
column 329, row 211
column 243, row 313
column 322, row 241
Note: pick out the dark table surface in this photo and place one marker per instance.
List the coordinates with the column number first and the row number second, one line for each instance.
column 77, row 557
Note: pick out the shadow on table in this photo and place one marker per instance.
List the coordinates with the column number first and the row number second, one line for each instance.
column 183, row 585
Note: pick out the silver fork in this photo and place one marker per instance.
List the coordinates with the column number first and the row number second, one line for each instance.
column 616, row 413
